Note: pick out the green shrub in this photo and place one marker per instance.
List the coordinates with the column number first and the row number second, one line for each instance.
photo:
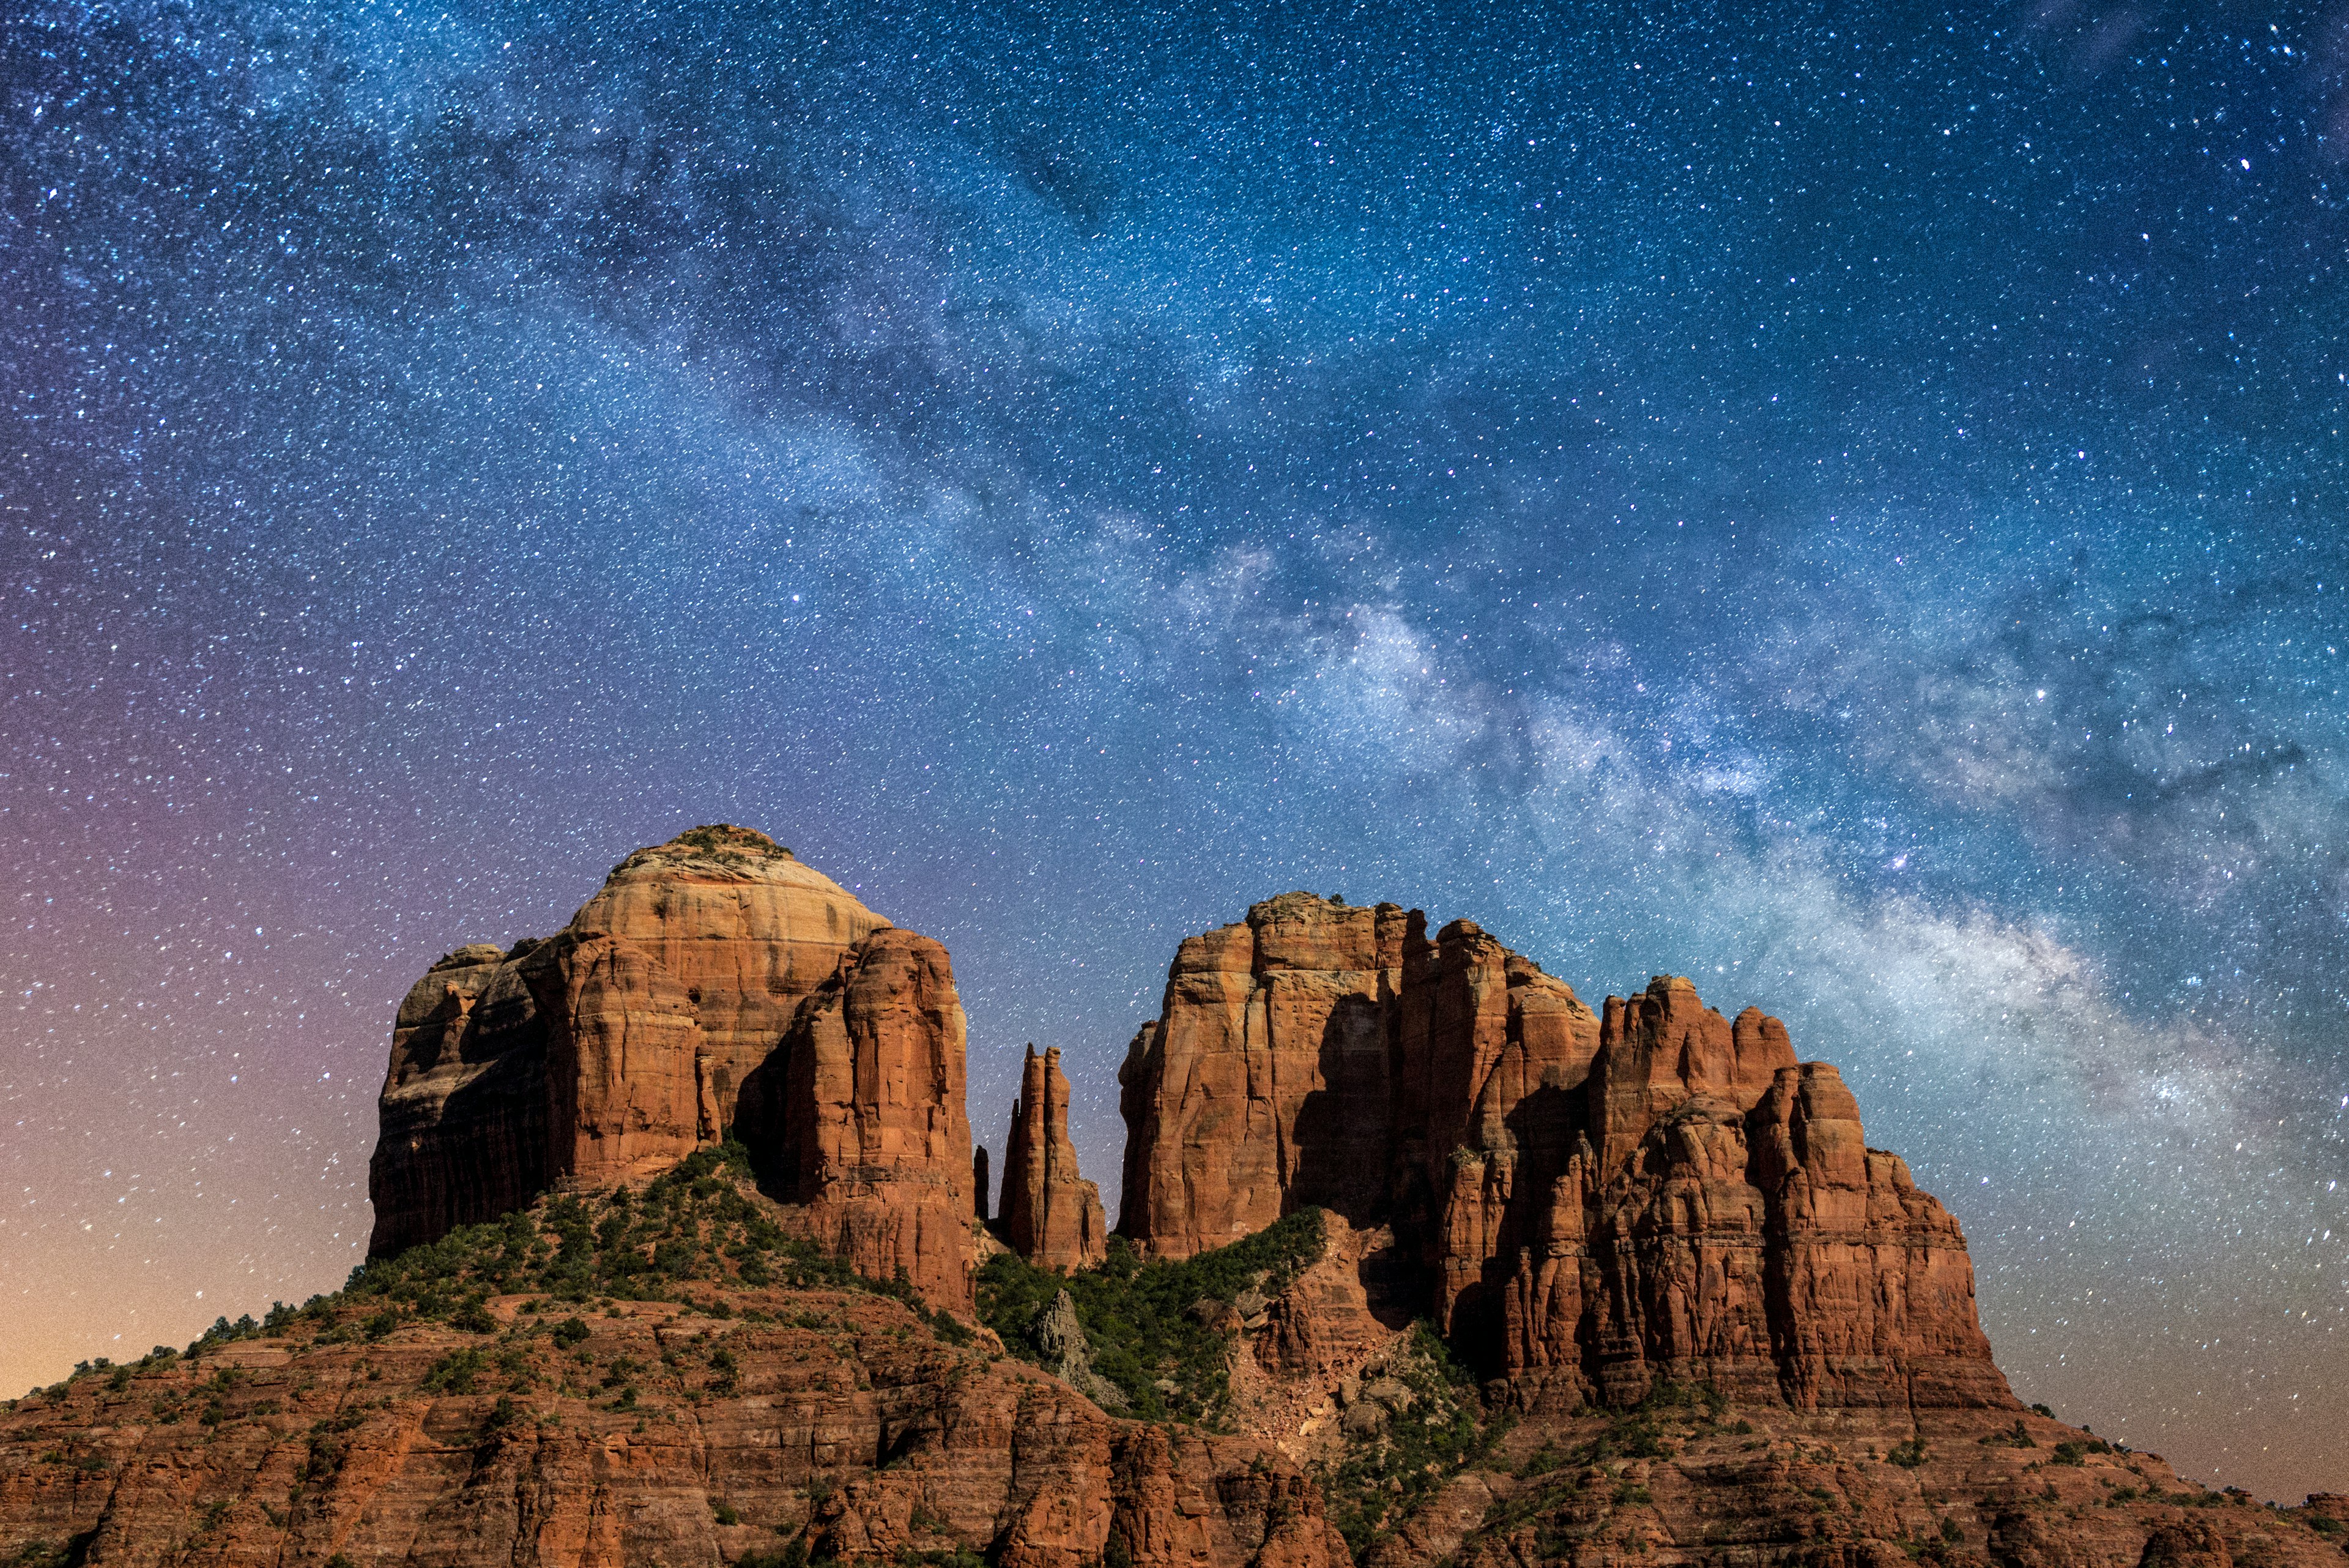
column 455, row 1372
column 793, row 1555
column 1909, row 1454
column 2015, row 1437
column 1136, row 1315
column 474, row 1317
column 1380, row 1481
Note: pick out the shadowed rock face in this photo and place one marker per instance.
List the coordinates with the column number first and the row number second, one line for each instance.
column 464, row 1106
column 1596, row 1202
column 869, row 1129
column 1051, row 1215
column 714, row 984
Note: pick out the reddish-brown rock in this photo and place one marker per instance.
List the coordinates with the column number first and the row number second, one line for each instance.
column 1597, row 1203
column 1050, row 1216
column 714, row 985
column 755, row 1416
column 1330, row 1054
column 463, row 1113
column 869, row 1131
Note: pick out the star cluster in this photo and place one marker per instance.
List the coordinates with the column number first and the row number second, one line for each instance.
column 1841, row 502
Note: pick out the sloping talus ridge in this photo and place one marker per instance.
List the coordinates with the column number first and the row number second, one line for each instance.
column 745, row 1402
column 715, row 984
column 1595, row 1203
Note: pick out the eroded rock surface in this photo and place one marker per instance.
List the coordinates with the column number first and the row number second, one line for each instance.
column 869, row 1131
column 1599, row 1202
column 693, row 1434
column 1051, row 1215
column 715, row 984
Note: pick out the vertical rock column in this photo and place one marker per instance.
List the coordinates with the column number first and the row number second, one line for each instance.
column 1265, row 1083
column 1051, row 1216
column 873, row 1134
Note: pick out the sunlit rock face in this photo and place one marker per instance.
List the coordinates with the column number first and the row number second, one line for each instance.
column 1596, row 1202
column 714, row 985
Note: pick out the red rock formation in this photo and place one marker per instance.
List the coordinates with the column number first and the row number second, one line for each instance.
column 837, row 1419
column 1050, row 1216
column 654, row 1024
column 1324, row 1054
column 1264, row 1085
column 871, row 1133
column 463, row 1112
column 1597, row 1203
column 1761, row 1248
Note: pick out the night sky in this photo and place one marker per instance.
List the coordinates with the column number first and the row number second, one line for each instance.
column 1842, row 504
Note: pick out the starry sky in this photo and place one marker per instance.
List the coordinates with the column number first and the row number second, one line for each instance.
column 1841, row 501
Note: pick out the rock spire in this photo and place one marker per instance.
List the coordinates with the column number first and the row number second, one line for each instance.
column 1597, row 1202
column 1049, row 1215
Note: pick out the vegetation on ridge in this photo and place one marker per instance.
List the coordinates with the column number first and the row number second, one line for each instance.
column 690, row 1232
column 1433, row 1425
column 1145, row 1321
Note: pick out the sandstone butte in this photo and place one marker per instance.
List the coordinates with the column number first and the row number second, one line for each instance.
column 1594, row 1203
column 1713, row 1326
column 715, row 984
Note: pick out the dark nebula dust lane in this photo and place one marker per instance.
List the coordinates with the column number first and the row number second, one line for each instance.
column 1844, row 503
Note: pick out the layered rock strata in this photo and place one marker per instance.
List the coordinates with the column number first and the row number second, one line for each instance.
column 1598, row 1202
column 1049, row 1214
column 834, row 1422
column 714, row 985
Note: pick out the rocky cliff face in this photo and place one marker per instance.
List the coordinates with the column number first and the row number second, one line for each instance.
column 1597, row 1204
column 1050, row 1216
column 1267, row 1082
column 867, row 1127
column 714, row 984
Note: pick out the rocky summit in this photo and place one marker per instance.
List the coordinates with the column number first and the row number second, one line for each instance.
column 682, row 1258
column 1594, row 1203
column 715, row 986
